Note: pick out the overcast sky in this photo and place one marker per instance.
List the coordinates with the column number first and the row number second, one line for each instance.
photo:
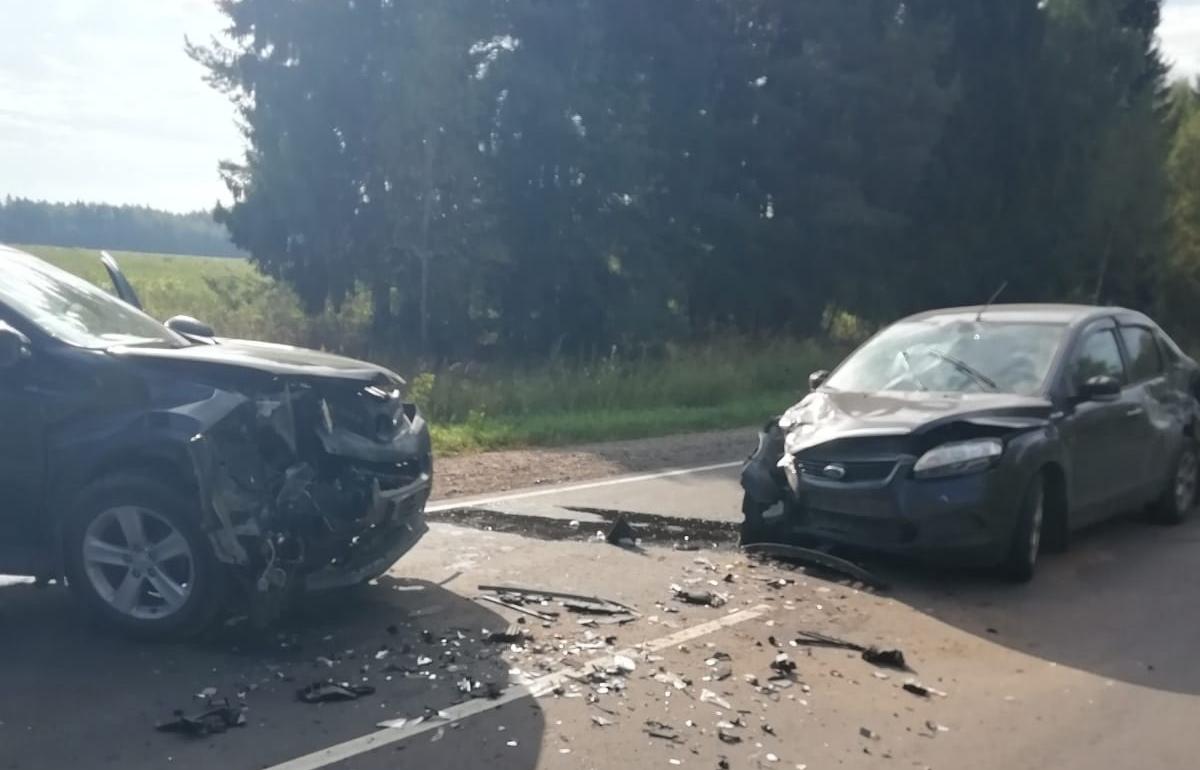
column 98, row 101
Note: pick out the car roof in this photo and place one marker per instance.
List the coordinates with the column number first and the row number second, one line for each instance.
column 1066, row 314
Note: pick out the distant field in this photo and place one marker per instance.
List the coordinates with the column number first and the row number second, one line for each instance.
column 726, row 383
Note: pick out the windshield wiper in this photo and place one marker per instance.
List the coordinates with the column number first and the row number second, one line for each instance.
column 909, row 370
column 965, row 368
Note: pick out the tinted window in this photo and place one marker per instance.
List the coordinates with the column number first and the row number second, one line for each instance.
column 1144, row 361
column 1099, row 356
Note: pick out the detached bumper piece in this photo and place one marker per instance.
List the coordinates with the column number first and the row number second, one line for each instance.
column 380, row 547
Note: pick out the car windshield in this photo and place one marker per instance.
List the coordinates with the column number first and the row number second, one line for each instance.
column 952, row 356
column 73, row 310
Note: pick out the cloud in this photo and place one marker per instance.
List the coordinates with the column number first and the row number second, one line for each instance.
column 100, row 102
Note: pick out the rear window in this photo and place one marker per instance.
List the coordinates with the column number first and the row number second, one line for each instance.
column 1145, row 361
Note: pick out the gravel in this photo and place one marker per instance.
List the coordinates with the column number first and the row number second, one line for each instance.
column 491, row 472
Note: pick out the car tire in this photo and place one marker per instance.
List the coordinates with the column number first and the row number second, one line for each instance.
column 754, row 527
column 136, row 558
column 1178, row 499
column 1020, row 562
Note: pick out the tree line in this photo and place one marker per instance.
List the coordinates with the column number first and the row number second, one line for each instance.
column 102, row 226
column 536, row 177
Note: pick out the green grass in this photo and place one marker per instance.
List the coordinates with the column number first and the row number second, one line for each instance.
column 725, row 383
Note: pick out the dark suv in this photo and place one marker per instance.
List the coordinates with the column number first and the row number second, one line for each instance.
column 164, row 471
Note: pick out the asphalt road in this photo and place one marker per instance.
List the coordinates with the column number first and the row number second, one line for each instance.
column 1093, row 665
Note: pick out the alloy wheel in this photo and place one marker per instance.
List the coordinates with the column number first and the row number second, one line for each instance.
column 138, row 562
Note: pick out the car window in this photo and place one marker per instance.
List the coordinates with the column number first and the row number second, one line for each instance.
column 1144, row 360
column 1168, row 349
column 71, row 309
column 1099, row 357
column 952, row 356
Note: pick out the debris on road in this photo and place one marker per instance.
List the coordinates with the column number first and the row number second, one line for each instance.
column 543, row 616
column 514, row 634
column 783, row 666
column 708, row 696
column 216, row 719
column 702, row 598
column 600, row 721
column 331, row 692
column 821, row 559
column 662, row 731
column 868, row 733
column 936, row 728
column 893, row 659
column 591, row 605
column 727, row 737
column 621, row 533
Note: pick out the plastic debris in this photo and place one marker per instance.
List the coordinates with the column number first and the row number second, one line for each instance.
column 868, row 733
column 624, row 663
column 886, row 658
column 621, row 533
column 216, row 719
column 916, row 689
column 600, row 721
column 783, row 665
column 708, row 696
column 662, row 731
column 821, row 559
column 331, row 692
column 727, row 737
column 702, row 598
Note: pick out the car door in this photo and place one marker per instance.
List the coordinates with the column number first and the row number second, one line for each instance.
column 1159, row 425
column 22, row 465
column 1097, row 432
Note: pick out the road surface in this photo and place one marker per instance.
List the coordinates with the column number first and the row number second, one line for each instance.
column 1092, row 666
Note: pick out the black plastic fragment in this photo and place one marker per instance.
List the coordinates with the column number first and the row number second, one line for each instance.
column 331, row 692
column 216, row 719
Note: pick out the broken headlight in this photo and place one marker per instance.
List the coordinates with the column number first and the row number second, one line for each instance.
column 958, row 458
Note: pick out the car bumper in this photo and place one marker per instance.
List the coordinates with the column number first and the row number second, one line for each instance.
column 402, row 526
column 963, row 520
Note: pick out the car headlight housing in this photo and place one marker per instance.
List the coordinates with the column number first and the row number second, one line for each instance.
column 958, row 458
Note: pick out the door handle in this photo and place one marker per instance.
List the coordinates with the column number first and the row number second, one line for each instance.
column 1135, row 411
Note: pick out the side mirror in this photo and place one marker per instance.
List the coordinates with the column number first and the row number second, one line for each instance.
column 190, row 327
column 1100, row 388
column 817, row 379
column 14, row 346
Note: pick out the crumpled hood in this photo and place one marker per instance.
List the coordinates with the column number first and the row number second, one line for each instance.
column 265, row 357
column 827, row 415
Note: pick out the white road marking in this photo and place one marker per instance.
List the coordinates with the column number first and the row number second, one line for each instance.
column 467, row 502
column 535, row 689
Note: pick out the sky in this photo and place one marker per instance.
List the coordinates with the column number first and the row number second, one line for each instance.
column 98, row 101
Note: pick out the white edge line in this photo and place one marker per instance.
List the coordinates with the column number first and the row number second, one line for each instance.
column 468, row 502
column 537, row 688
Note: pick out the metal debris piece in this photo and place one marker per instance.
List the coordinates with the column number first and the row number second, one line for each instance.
column 332, row 692
column 708, row 696
column 216, row 719
column 886, row 658
column 809, row 557
column 621, row 533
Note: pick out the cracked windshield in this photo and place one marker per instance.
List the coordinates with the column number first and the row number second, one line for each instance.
column 576, row 385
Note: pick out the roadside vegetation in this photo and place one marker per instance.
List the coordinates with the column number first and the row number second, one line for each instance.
column 724, row 383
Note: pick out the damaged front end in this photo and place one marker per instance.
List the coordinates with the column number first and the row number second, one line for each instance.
column 311, row 483
column 915, row 475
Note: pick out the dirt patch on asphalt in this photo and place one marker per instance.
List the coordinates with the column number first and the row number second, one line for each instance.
column 517, row 469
